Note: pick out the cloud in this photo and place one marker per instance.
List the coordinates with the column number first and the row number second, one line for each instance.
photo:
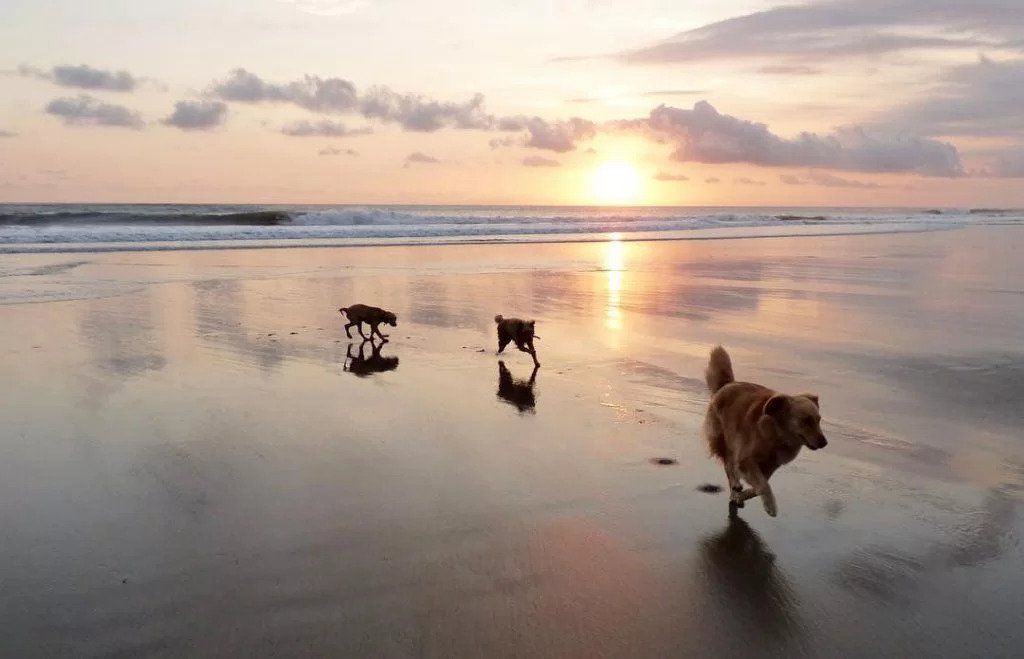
column 832, row 181
column 197, row 115
column 418, row 156
column 334, row 151
column 833, row 29
column 327, row 7
column 84, row 110
column 704, row 135
column 7, row 133
column 540, row 161
column 665, row 176
column 325, row 95
column 339, row 96
column 985, row 98
column 743, row 180
column 83, row 76
column 826, row 180
column 789, row 70
column 322, row 128
column 713, row 179
column 417, row 113
column 1009, row 164
column 558, row 136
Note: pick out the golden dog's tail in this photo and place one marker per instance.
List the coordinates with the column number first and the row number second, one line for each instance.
column 499, row 318
column 719, row 370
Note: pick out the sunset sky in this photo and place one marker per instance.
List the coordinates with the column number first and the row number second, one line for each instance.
column 727, row 102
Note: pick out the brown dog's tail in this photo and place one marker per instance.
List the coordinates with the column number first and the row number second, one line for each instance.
column 343, row 310
column 499, row 318
column 719, row 370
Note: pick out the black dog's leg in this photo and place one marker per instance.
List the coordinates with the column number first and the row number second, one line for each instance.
column 502, row 342
column 528, row 349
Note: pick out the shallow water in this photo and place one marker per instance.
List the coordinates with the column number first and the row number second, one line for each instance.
column 190, row 464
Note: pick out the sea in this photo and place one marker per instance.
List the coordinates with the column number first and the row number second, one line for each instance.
column 112, row 227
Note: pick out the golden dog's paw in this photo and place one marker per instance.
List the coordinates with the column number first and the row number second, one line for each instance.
column 770, row 508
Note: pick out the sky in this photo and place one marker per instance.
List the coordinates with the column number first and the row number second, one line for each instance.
column 651, row 102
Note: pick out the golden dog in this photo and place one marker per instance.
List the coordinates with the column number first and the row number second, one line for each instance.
column 755, row 430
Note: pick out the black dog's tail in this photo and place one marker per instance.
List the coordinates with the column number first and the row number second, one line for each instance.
column 499, row 318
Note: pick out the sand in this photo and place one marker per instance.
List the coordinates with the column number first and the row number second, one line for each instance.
column 189, row 464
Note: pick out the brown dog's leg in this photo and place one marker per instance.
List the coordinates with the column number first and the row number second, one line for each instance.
column 376, row 328
column 347, row 332
column 757, row 479
column 360, row 328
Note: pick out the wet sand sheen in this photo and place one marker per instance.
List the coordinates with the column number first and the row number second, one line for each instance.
column 191, row 463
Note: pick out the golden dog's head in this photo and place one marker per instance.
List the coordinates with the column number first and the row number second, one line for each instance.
column 799, row 416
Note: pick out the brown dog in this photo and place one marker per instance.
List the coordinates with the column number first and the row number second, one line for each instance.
column 519, row 331
column 373, row 316
column 755, row 430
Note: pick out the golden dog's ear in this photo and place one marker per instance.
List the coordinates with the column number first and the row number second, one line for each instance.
column 777, row 406
column 813, row 398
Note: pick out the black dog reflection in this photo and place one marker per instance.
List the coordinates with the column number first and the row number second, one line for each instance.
column 517, row 392
column 755, row 596
column 361, row 365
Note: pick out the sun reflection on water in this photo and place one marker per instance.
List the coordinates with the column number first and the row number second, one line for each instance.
column 614, row 264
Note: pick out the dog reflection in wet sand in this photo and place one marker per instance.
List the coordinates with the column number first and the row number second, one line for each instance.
column 517, row 392
column 753, row 592
column 754, row 430
column 361, row 365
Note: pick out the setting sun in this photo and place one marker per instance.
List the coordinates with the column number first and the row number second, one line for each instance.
column 616, row 182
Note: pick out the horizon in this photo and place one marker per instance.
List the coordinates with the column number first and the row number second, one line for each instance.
column 748, row 103
column 285, row 204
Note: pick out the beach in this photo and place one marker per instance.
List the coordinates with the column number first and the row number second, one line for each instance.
column 190, row 465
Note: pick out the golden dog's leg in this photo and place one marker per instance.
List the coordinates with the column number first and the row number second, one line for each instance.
column 762, row 489
column 733, row 476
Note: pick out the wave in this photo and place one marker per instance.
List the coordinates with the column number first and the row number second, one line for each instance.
column 48, row 225
column 93, row 218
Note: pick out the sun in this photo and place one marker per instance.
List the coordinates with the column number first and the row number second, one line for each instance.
column 615, row 182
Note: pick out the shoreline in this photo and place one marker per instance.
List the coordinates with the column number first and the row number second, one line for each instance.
column 836, row 230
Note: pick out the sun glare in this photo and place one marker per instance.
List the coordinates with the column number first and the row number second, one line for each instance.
column 616, row 182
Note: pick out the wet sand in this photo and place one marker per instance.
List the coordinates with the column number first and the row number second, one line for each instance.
column 189, row 464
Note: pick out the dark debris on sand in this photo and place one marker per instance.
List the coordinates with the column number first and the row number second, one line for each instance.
column 664, row 461
column 709, row 488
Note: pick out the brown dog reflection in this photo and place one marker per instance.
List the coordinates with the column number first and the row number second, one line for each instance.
column 517, row 392
column 362, row 366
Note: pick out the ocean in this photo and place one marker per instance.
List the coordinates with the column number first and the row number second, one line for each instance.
column 111, row 227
